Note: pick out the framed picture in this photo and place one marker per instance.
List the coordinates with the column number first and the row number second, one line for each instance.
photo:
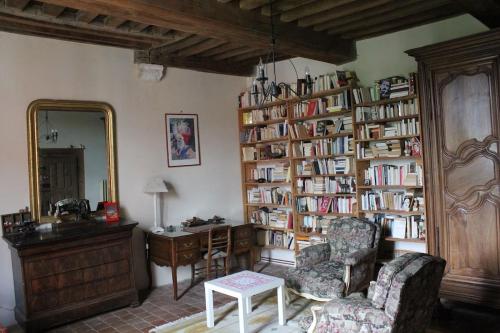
column 111, row 211
column 183, row 145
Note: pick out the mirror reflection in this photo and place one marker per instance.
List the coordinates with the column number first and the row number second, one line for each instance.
column 72, row 160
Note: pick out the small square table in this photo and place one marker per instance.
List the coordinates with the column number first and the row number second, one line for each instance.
column 243, row 286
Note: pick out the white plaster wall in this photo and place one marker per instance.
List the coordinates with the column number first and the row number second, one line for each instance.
column 33, row 68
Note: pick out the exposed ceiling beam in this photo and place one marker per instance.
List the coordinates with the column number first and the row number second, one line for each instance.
column 180, row 45
column 250, row 55
column 311, row 9
column 283, row 5
column 486, row 11
column 219, row 50
column 197, row 63
column 85, row 17
column 252, row 4
column 114, row 22
column 18, row 4
column 231, row 54
column 52, row 10
column 27, row 26
column 201, row 47
column 215, row 20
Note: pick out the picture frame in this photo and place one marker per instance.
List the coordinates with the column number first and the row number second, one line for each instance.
column 183, row 139
column 112, row 212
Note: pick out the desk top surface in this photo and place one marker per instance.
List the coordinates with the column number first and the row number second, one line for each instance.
column 194, row 230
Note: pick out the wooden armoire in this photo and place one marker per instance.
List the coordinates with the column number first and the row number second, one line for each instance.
column 460, row 99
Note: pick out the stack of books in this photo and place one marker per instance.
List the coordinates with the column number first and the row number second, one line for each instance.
column 270, row 173
column 274, row 195
column 279, row 218
column 326, row 185
column 409, row 174
column 325, row 166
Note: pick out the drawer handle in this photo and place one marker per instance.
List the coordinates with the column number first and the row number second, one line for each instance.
column 187, row 244
column 188, row 256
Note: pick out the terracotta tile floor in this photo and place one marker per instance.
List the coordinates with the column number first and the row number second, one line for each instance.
column 159, row 308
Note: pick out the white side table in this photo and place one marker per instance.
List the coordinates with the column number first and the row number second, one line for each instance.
column 243, row 286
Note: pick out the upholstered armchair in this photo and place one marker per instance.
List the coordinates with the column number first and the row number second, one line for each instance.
column 342, row 265
column 400, row 301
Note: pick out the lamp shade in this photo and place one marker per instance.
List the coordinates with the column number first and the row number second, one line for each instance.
column 156, row 185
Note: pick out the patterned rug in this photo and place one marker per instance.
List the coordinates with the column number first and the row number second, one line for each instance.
column 263, row 319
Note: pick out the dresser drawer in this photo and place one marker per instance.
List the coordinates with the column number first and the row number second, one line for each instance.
column 187, row 243
column 188, row 257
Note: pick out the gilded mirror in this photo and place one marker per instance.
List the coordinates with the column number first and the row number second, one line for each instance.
column 71, row 155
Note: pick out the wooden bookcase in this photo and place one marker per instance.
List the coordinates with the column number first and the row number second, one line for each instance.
column 291, row 160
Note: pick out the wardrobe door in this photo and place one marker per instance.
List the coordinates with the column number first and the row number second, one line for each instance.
column 466, row 184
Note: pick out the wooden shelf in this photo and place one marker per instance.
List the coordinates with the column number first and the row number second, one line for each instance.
column 392, row 212
column 331, row 195
column 388, row 187
column 409, row 240
column 386, row 120
column 329, row 136
column 266, row 122
column 389, row 138
column 387, row 101
column 282, row 139
column 323, row 115
column 271, row 160
column 263, row 106
column 267, row 184
column 327, row 175
column 389, row 158
column 267, row 227
column 324, row 214
column 267, row 205
column 323, row 156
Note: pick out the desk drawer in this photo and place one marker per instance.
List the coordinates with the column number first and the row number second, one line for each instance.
column 242, row 245
column 187, row 243
column 188, row 257
column 243, row 232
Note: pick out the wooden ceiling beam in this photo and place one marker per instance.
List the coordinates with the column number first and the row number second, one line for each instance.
column 17, row 4
column 396, row 14
column 252, row 4
column 250, row 55
column 180, row 45
column 52, row 10
column 114, row 22
column 85, row 17
column 209, row 44
column 319, row 20
column 433, row 15
column 219, row 50
column 138, row 27
column 197, row 63
column 231, row 54
column 27, row 26
column 283, row 5
column 315, row 7
column 486, row 11
column 221, row 21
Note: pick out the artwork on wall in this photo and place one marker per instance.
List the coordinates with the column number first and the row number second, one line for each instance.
column 183, row 146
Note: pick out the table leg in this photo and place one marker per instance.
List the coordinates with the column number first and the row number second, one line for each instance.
column 281, row 305
column 242, row 311
column 209, row 302
column 249, row 304
column 174, row 281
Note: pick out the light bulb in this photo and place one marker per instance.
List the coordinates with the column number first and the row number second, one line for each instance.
column 308, row 72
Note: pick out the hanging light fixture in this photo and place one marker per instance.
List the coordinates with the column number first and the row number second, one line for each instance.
column 51, row 134
column 274, row 89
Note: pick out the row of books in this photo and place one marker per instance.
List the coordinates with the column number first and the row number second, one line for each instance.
column 318, row 224
column 332, row 80
column 325, row 166
column 326, row 185
column 408, row 227
column 274, row 195
column 392, row 87
column 268, row 152
column 323, row 205
column 391, row 200
column 273, row 131
column 335, row 146
column 307, row 129
column 279, row 172
column 305, row 241
column 390, row 129
column 271, row 113
column 329, row 104
column 285, row 240
column 409, row 174
column 389, row 148
column 279, row 218
column 387, row 111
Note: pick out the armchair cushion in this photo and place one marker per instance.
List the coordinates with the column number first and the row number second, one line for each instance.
column 349, row 235
column 361, row 256
column 323, row 280
column 312, row 255
column 349, row 315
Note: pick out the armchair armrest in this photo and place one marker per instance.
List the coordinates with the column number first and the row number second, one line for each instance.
column 361, row 256
column 312, row 255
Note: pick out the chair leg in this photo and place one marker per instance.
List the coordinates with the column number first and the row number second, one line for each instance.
column 209, row 269
column 193, row 270
column 314, row 309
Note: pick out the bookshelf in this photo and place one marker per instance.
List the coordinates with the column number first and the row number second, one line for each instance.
column 390, row 171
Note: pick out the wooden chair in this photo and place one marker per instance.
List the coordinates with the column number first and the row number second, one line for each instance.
column 218, row 247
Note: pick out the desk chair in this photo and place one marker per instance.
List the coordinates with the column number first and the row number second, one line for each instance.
column 218, row 247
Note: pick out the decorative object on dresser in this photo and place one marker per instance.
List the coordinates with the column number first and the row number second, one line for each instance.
column 459, row 83
column 183, row 139
column 156, row 186
column 401, row 300
column 17, row 223
column 339, row 267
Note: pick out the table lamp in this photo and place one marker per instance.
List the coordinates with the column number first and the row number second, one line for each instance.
column 156, row 186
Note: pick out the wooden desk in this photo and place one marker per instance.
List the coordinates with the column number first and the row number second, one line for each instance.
column 181, row 248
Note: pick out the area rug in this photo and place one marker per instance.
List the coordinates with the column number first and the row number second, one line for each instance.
column 263, row 319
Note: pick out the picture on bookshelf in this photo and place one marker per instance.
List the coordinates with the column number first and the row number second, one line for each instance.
column 183, row 146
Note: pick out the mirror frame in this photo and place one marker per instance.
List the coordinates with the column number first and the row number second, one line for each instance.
column 33, row 159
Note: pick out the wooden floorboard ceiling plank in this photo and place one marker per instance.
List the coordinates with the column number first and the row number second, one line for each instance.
column 283, row 5
column 315, row 7
column 201, row 47
column 18, row 4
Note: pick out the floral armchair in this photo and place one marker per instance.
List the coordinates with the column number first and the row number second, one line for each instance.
column 400, row 301
column 339, row 267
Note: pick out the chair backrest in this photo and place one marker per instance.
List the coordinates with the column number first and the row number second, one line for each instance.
column 219, row 238
column 348, row 235
column 407, row 288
